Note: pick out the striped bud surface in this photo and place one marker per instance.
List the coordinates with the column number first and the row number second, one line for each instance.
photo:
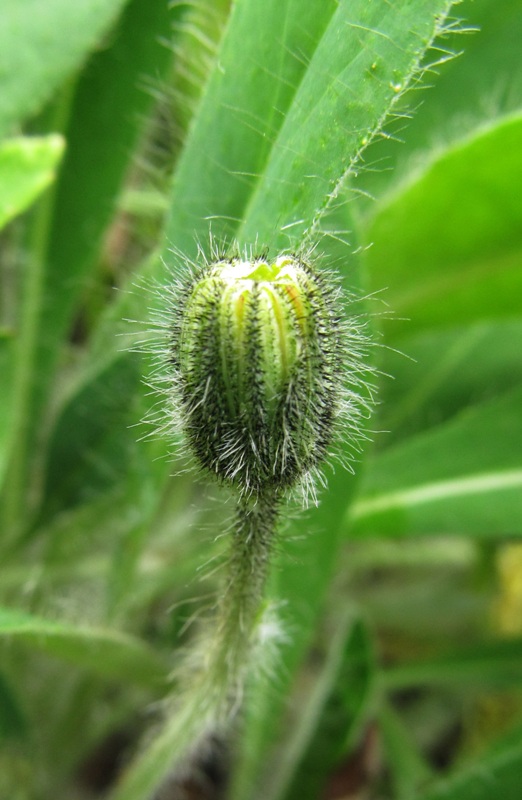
column 257, row 353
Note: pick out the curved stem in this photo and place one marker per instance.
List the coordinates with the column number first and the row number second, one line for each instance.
column 216, row 673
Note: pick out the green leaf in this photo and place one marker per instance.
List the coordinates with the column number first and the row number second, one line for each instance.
column 13, row 724
column 468, row 86
column 107, row 114
column 90, row 450
column 336, row 70
column 363, row 63
column 448, row 244
column 36, row 55
column 491, row 664
column 331, row 717
column 409, row 771
column 462, row 477
column 482, row 82
column 27, row 167
column 6, row 409
column 437, row 373
column 107, row 652
column 265, row 53
column 495, row 774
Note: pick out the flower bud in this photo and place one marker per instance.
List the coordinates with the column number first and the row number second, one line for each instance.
column 258, row 361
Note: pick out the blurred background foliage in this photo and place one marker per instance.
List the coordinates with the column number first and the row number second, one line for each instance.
column 402, row 593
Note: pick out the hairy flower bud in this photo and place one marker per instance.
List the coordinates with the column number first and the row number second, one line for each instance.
column 257, row 351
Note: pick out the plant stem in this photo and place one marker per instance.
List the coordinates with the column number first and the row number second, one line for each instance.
column 213, row 682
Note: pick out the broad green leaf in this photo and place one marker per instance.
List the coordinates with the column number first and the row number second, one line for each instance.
column 107, row 652
column 436, row 374
column 360, row 68
column 336, row 70
column 448, row 244
column 265, row 52
column 41, row 44
column 481, row 82
column 27, row 167
column 462, row 477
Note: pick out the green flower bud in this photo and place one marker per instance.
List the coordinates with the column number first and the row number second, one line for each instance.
column 258, row 355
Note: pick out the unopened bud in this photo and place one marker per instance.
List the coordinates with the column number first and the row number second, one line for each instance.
column 257, row 354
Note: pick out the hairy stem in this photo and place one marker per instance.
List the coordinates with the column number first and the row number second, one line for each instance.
column 213, row 683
